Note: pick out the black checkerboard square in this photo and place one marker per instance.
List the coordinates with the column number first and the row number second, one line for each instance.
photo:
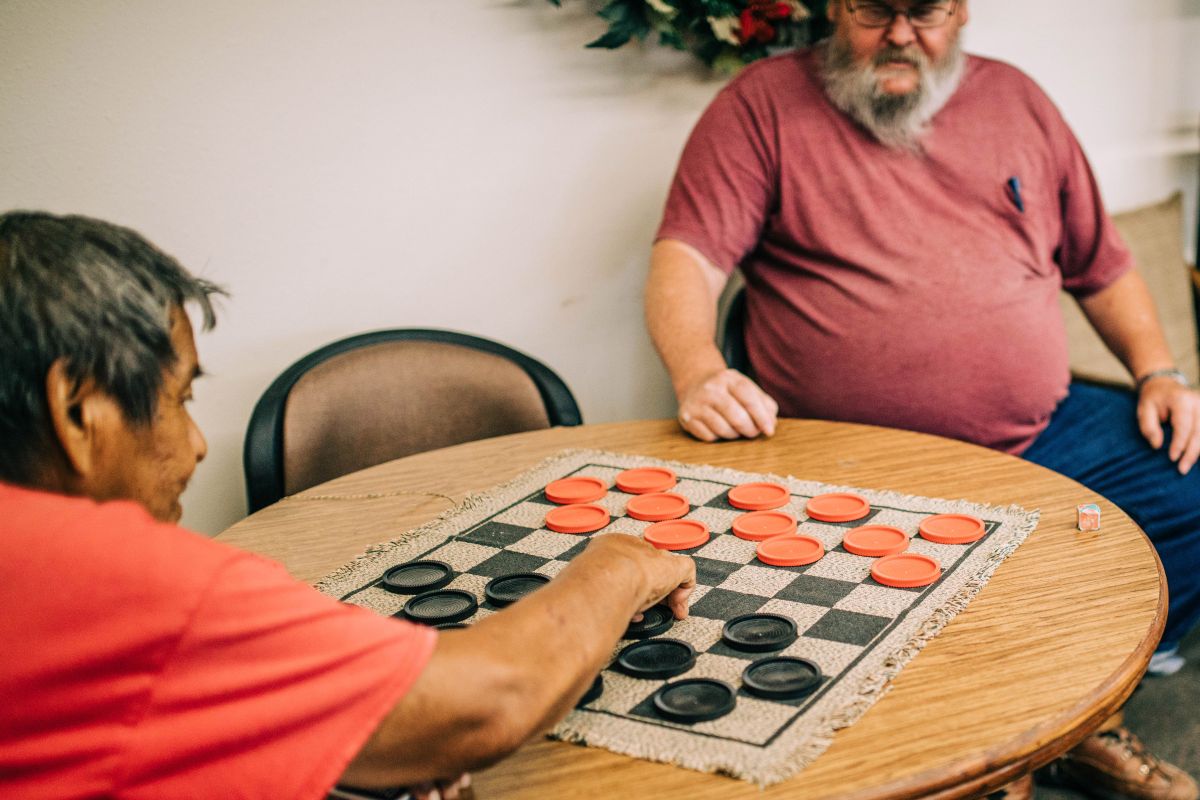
column 849, row 627
column 507, row 562
column 711, row 572
column 724, row 604
column 496, row 534
column 815, row 591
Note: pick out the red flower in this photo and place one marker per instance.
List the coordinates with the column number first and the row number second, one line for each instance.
column 756, row 20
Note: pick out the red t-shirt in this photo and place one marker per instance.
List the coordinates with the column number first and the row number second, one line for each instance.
column 893, row 288
column 145, row 661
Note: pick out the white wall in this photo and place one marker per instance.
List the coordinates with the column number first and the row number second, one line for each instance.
column 462, row 164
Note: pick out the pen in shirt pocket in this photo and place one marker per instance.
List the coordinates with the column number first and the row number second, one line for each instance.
column 1014, row 193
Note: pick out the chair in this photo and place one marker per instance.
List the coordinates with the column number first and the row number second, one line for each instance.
column 731, row 326
column 378, row 396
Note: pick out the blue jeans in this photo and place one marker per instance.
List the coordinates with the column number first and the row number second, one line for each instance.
column 1093, row 438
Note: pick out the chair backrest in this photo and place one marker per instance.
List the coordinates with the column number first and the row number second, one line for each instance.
column 378, row 396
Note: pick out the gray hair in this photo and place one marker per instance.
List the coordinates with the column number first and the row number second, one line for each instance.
column 898, row 122
column 96, row 295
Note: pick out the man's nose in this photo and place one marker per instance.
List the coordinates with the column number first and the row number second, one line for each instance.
column 900, row 33
column 198, row 442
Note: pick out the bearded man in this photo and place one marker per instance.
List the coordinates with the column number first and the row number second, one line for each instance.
column 905, row 216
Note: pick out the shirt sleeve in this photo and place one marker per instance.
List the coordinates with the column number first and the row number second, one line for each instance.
column 726, row 181
column 1091, row 253
column 271, row 691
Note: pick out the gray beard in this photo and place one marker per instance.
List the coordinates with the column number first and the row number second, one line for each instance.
column 897, row 121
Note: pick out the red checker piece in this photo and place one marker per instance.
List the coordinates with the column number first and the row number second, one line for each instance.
column 837, row 507
column 677, row 534
column 906, row 570
column 644, row 480
column 759, row 496
column 581, row 489
column 952, row 528
column 657, row 507
column 875, row 541
column 759, row 525
column 790, row 551
column 577, row 518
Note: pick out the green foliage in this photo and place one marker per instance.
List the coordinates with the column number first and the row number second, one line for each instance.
column 724, row 34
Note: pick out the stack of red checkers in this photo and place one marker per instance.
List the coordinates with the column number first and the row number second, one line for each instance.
column 760, row 525
column 645, row 480
column 577, row 518
column 581, row 489
column 837, row 507
column 657, row 507
column 952, row 528
column 759, row 496
column 790, row 551
column 677, row 534
column 875, row 541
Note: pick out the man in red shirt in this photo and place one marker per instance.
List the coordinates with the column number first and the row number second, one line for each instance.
column 145, row 661
column 905, row 217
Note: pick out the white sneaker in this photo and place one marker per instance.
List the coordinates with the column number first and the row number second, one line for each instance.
column 1165, row 662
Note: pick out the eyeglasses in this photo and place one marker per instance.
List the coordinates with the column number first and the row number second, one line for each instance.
column 881, row 15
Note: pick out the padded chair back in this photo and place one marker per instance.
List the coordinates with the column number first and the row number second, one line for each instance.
column 378, row 396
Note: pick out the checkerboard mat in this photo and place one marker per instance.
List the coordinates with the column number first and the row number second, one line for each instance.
column 859, row 632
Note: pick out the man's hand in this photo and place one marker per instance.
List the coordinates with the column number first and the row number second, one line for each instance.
column 726, row 405
column 667, row 577
column 1164, row 400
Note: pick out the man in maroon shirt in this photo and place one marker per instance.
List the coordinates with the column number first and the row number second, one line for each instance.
column 146, row 661
column 905, row 217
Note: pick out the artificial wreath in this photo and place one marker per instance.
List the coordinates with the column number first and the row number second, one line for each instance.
column 724, row 34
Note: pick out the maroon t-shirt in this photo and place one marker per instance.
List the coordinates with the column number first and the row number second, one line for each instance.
column 894, row 288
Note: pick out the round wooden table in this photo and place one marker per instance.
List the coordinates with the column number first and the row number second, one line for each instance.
column 1051, row 647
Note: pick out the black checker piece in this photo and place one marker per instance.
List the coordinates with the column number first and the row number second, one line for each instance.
column 417, row 576
column 849, row 627
column 694, row 700
column 656, row 658
column 508, row 589
column 655, row 620
column 759, row 633
column 440, row 607
column 781, row 678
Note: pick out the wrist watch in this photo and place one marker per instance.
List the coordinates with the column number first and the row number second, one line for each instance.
column 1169, row 372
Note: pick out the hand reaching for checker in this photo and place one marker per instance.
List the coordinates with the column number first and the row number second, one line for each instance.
column 726, row 405
column 1162, row 400
column 666, row 578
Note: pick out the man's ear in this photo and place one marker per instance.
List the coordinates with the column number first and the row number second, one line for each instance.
column 81, row 415
column 831, row 11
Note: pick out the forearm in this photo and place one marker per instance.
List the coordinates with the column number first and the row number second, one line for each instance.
column 681, row 312
column 1124, row 316
column 490, row 687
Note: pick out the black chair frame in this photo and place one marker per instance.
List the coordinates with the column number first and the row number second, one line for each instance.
column 262, row 454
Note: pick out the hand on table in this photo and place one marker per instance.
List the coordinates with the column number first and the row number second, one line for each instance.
column 1164, row 400
column 727, row 405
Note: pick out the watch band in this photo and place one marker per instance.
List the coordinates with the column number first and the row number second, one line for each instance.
column 1169, row 372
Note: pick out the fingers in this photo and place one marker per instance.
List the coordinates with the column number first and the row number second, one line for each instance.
column 728, row 405
column 1149, row 422
column 1166, row 401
